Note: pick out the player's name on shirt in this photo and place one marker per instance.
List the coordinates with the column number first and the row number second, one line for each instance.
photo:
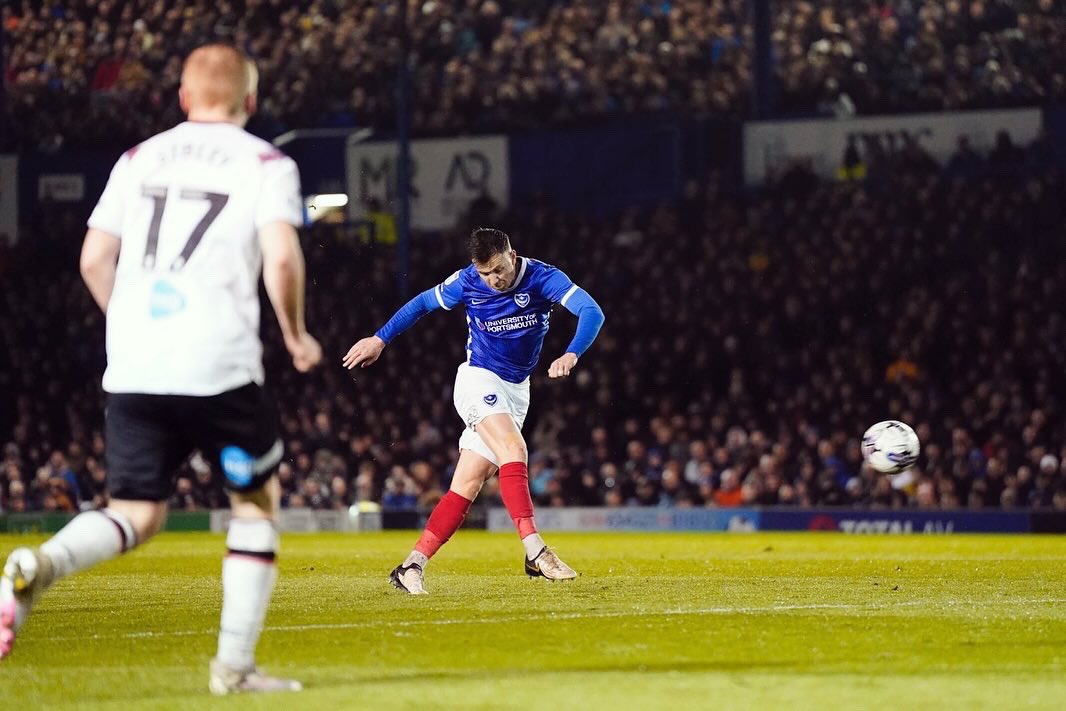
column 210, row 154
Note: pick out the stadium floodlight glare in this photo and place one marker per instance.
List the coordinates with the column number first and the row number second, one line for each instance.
column 327, row 200
column 318, row 206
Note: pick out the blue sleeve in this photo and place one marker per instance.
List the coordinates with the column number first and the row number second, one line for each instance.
column 556, row 285
column 590, row 319
column 446, row 295
column 413, row 310
column 449, row 293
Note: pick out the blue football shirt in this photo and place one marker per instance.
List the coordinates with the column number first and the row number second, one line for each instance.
column 507, row 328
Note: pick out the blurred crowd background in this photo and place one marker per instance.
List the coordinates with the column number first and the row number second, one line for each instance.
column 105, row 72
column 751, row 335
column 750, row 339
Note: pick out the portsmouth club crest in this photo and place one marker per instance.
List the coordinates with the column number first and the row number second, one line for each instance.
column 522, row 300
column 490, row 399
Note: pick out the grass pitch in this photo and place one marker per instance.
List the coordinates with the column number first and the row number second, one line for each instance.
column 701, row 621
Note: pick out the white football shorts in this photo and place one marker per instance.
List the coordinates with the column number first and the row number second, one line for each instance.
column 480, row 393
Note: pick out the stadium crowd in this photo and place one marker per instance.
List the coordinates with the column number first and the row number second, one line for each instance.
column 749, row 341
column 105, row 72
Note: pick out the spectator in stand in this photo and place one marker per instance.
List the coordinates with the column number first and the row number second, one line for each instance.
column 729, row 493
column 399, row 491
column 183, row 498
column 965, row 163
column 315, row 495
column 16, row 499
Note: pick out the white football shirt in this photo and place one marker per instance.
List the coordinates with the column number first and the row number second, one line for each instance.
column 187, row 204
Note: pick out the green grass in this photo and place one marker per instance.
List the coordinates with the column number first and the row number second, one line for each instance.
column 701, row 621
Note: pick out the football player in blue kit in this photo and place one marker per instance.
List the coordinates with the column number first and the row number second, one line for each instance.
column 508, row 301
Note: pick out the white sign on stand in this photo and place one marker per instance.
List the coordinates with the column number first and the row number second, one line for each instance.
column 770, row 146
column 446, row 176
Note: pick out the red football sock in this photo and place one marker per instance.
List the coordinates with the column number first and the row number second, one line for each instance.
column 445, row 520
column 514, row 490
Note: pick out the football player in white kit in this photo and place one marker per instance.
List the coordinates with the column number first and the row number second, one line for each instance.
column 173, row 254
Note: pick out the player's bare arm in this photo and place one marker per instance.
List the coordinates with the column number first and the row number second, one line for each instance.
column 99, row 260
column 284, row 277
column 365, row 352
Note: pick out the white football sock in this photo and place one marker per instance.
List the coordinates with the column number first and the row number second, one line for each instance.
column 90, row 538
column 417, row 558
column 533, row 544
column 248, row 575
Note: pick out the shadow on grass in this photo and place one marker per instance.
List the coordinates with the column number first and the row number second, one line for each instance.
column 363, row 679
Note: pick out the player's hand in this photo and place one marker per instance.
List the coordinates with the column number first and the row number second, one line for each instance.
column 365, row 352
column 562, row 366
column 305, row 352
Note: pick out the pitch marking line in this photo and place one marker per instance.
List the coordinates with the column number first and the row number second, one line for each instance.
column 605, row 614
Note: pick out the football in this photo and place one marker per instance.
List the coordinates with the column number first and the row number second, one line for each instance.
column 890, row 446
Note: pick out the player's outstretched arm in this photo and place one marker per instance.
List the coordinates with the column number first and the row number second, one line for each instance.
column 284, row 275
column 99, row 260
column 590, row 319
column 367, row 350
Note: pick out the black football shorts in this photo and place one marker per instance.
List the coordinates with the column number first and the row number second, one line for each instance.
column 149, row 436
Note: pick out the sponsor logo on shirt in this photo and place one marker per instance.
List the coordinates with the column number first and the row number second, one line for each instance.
column 511, row 323
column 165, row 300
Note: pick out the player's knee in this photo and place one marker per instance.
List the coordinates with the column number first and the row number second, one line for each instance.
column 468, row 489
column 146, row 518
column 149, row 528
column 250, row 507
column 515, row 450
column 259, row 503
column 511, row 447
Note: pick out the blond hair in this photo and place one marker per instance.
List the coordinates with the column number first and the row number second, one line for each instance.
column 218, row 76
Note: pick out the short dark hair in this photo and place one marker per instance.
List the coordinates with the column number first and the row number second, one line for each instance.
column 486, row 242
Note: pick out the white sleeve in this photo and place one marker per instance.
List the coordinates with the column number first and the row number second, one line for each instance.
column 279, row 199
column 107, row 215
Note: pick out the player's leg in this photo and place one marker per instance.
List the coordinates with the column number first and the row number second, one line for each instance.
column 90, row 538
column 471, row 472
column 500, row 433
column 240, row 431
column 141, row 453
column 249, row 572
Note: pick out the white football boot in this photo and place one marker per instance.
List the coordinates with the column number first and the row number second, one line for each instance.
column 27, row 573
column 226, row 680
column 548, row 565
column 409, row 578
